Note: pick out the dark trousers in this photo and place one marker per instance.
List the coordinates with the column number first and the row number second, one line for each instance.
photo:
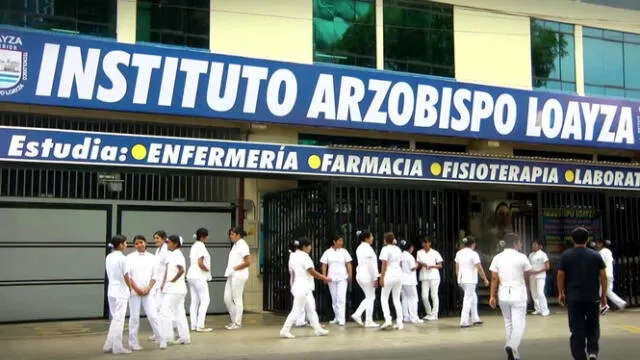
column 584, row 323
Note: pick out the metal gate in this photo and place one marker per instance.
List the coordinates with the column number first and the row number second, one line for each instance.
column 321, row 210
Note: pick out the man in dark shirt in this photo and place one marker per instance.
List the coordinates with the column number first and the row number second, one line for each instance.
column 581, row 275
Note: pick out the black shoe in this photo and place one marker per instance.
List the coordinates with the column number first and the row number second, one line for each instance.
column 478, row 323
column 509, row 351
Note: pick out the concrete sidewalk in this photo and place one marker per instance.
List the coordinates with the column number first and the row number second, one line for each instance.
column 259, row 339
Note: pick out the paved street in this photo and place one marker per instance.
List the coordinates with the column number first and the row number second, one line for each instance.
column 546, row 339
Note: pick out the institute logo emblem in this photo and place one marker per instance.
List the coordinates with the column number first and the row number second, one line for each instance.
column 13, row 65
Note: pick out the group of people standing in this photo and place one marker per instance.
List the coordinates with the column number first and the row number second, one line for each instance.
column 158, row 284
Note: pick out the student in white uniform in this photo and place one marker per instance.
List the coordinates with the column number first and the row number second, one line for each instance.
column 607, row 256
column 175, row 291
column 142, row 278
column 540, row 265
column 160, row 240
column 391, row 281
column 468, row 266
column 198, row 275
column 302, row 289
column 367, row 277
column 301, row 320
column 409, row 284
column 336, row 264
column 237, row 274
column 117, row 294
column 511, row 269
column 430, row 262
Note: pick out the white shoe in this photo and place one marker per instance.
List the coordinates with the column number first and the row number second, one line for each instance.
column 535, row 312
column 152, row 337
column 334, row 321
column 204, row 330
column 287, row 335
column 322, row 332
column 162, row 345
column 122, row 351
column 624, row 306
column 386, row 325
column 136, row 347
column 372, row 325
column 418, row 321
column 232, row 326
column 399, row 326
column 432, row 318
column 357, row 320
column 545, row 314
column 106, row 349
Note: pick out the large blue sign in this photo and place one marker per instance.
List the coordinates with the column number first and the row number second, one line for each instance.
column 72, row 71
column 26, row 145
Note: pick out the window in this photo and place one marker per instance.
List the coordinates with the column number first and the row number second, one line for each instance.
column 553, row 58
column 610, row 63
column 418, row 37
column 327, row 140
column 344, row 32
column 87, row 17
column 178, row 22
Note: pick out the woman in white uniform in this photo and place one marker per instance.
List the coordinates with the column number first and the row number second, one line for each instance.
column 198, row 275
column 237, row 274
column 117, row 294
column 367, row 277
column 160, row 240
column 430, row 262
column 539, row 265
column 142, row 278
column 174, row 288
column 336, row 264
column 391, row 281
column 603, row 247
column 302, row 289
column 301, row 320
column 409, row 284
column 468, row 266
column 510, row 269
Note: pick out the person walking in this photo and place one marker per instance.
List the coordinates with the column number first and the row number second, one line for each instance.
column 468, row 266
column 603, row 248
column 581, row 275
column 367, row 277
column 511, row 269
column 540, row 265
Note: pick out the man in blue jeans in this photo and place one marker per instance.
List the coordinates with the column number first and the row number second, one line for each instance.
column 581, row 274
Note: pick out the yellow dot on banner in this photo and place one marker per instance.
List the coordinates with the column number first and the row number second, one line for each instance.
column 436, row 169
column 139, row 152
column 569, row 176
column 314, row 162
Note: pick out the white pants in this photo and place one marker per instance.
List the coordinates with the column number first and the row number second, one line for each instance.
column 617, row 300
column 338, row 290
column 118, row 311
column 538, row 296
column 410, row 302
column 430, row 287
column 366, row 306
column 173, row 309
column 302, row 303
column 469, row 313
column 148, row 303
column 392, row 286
column 199, row 291
column 233, row 292
column 515, row 314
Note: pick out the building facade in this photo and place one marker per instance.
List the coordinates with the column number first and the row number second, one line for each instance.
column 419, row 117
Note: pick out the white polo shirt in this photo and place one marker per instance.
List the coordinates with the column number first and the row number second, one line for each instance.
column 199, row 250
column 175, row 259
column 161, row 264
column 607, row 257
column 511, row 266
column 408, row 269
column 141, row 268
column 291, row 265
column 303, row 282
column 237, row 254
column 467, row 260
column 367, row 262
column 336, row 260
column 393, row 256
column 116, row 267
column 431, row 258
column 537, row 260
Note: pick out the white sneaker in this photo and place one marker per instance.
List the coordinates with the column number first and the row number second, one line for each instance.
column 372, row 325
column 418, row 321
column 322, row 332
column 386, row 325
column 432, row 318
column 535, row 312
column 106, row 349
column 624, row 306
column 136, row 347
column 399, row 326
column 152, row 337
column 204, row 330
column 122, row 351
column 545, row 314
column 163, row 345
column 334, row 321
column 357, row 320
column 232, row 326
column 287, row 335
column 426, row 317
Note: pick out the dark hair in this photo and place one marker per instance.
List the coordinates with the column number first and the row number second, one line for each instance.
column 176, row 239
column 200, row 233
column 116, row 241
column 293, row 247
column 405, row 245
column 539, row 242
column 604, row 242
column 580, row 235
column 337, row 237
column 388, row 238
column 363, row 235
column 139, row 237
column 303, row 242
column 161, row 233
column 238, row 230
column 469, row 240
column 427, row 239
column 510, row 240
